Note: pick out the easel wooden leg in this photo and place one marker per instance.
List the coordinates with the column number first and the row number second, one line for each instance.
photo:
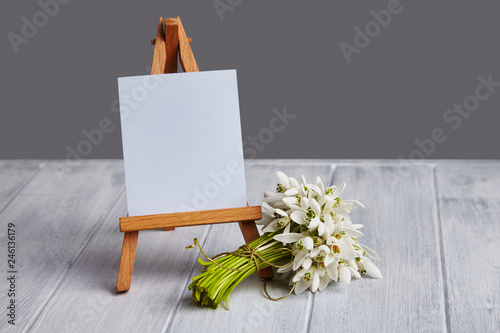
column 250, row 232
column 127, row 261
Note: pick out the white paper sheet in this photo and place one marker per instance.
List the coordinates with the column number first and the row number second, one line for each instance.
column 182, row 142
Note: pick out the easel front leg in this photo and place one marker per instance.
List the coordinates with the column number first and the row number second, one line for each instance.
column 127, row 261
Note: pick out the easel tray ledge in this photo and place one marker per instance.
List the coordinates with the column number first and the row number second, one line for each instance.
column 185, row 219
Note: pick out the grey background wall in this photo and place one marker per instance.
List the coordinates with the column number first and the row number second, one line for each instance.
column 384, row 92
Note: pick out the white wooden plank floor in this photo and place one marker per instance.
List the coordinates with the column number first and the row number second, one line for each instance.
column 436, row 226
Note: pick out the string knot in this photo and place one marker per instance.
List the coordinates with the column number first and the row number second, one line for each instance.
column 254, row 254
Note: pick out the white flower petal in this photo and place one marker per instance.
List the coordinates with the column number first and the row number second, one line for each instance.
column 324, row 248
column 271, row 227
column 304, row 202
column 346, row 250
column 314, row 252
column 285, row 269
column 352, row 264
column 315, row 282
column 288, row 238
column 315, row 206
column 306, row 264
column 265, row 220
column 314, row 188
column 321, row 229
column 314, row 223
column 269, row 194
column 291, row 192
column 323, row 200
column 372, row 270
column 308, row 242
column 352, row 232
column 298, row 216
column 293, row 182
column 323, row 282
column 320, row 184
column 267, row 208
column 354, row 272
column 328, row 231
column 281, row 212
column 299, row 275
column 339, row 226
column 303, row 180
column 328, row 207
column 279, row 204
column 338, row 190
column 287, row 229
column 291, row 202
column 283, row 179
column 356, row 203
column 299, row 258
column 333, row 271
column 345, row 274
column 302, row 285
column 330, row 259
column 328, row 220
column 344, row 208
column 273, row 198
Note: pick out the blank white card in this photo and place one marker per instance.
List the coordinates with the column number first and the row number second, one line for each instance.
column 182, row 144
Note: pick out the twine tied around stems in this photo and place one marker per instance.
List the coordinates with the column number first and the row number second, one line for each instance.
column 253, row 255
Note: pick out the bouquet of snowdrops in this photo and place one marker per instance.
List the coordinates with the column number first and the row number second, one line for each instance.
column 308, row 236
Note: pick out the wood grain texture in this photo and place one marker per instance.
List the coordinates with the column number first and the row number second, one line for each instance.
column 69, row 253
column 401, row 225
column 171, row 44
column 469, row 205
column 127, row 261
column 56, row 215
column 186, row 56
column 187, row 219
column 14, row 175
column 250, row 310
column 153, row 41
column 159, row 53
column 86, row 300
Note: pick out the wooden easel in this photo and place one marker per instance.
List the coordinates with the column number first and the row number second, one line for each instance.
column 170, row 39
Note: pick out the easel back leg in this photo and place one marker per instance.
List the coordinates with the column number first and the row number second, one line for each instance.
column 250, row 232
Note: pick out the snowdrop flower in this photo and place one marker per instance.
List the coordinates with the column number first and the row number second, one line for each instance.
column 267, row 215
column 281, row 221
column 366, row 266
column 300, row 240
column 315, row 224
column 344, row 273
column 306, row 225
column 306, row 278
column 287, row 185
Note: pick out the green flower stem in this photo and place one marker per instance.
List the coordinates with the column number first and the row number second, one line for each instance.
column 216, row 283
